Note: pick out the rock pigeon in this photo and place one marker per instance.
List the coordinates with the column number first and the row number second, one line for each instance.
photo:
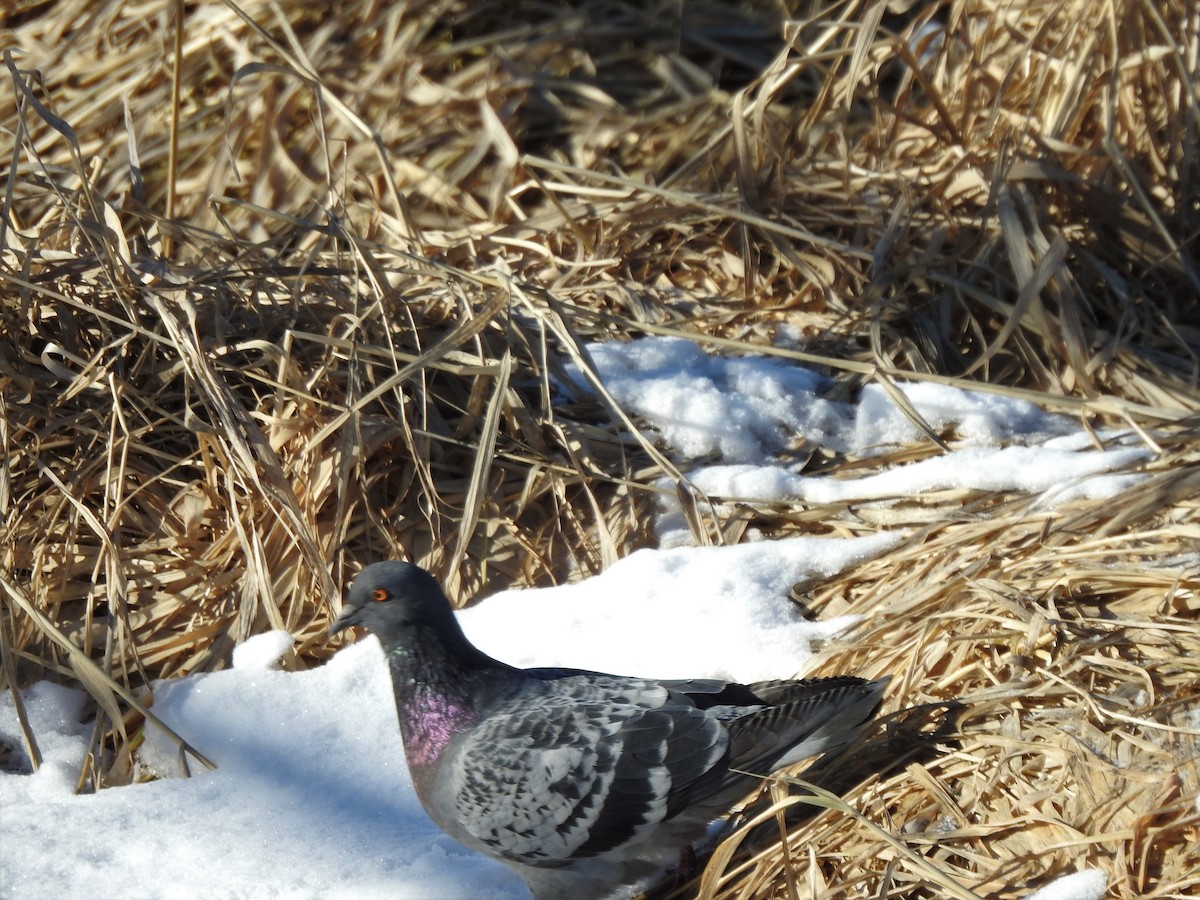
column 587, row 784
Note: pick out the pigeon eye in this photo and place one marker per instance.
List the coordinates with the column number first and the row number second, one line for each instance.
column 380, row 595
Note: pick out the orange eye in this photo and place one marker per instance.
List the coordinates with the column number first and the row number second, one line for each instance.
column 380, row 595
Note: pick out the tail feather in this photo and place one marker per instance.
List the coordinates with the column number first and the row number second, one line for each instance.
column 809, row 718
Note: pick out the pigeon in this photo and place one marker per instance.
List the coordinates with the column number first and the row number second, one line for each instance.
column 589, row 785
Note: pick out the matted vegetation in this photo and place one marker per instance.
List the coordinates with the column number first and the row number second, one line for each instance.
column 295, row 299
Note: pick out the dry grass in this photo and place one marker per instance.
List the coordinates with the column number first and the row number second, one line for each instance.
column 293, row 298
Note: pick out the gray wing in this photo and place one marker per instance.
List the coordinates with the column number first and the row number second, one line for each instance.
column 583, row 765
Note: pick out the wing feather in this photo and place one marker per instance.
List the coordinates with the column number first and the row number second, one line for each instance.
column 588, row 764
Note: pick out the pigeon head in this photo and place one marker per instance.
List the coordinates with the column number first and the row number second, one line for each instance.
column 394, row 600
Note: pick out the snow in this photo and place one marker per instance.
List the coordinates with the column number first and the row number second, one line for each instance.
column 288, row 812
column 261, row 651
column 680, row 600
column 311, row 797
column 752, row 409
column 1090, row 884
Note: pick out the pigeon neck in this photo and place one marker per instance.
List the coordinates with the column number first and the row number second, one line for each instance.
column 438, row 654
column 438, row 675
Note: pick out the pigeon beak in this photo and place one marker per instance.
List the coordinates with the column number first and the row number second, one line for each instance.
column 346, row 618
